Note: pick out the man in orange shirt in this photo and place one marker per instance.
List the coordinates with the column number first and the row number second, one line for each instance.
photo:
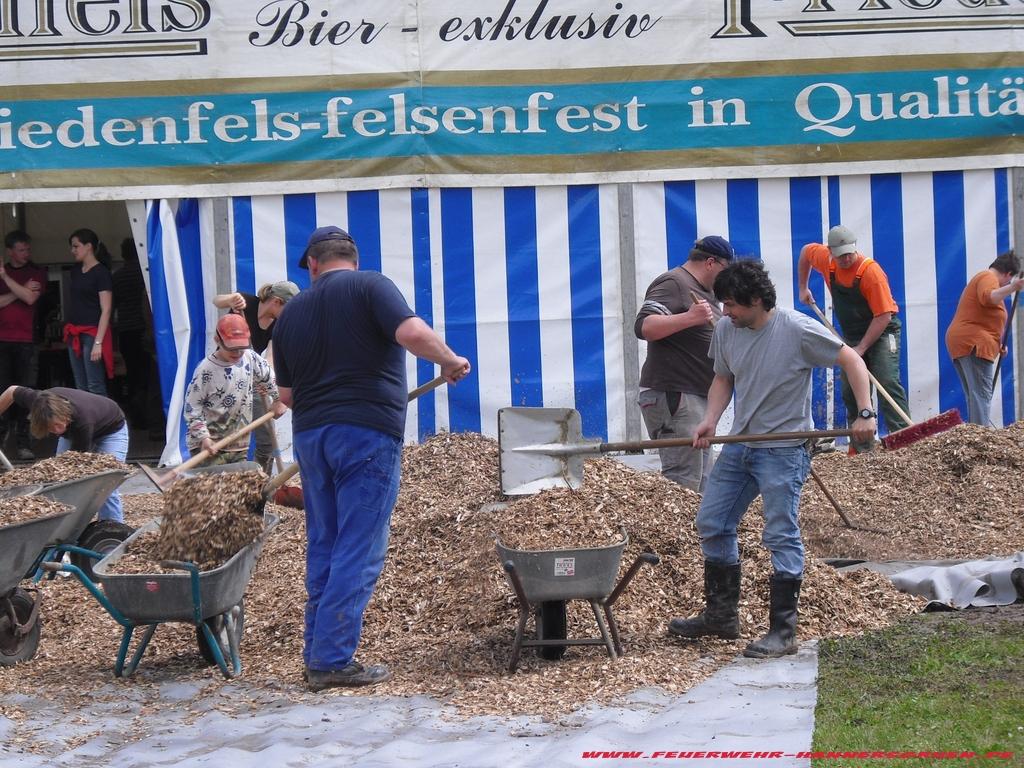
column 974, row 338
column 867, row 318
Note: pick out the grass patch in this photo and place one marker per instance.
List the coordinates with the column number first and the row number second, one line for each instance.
column 949, row 683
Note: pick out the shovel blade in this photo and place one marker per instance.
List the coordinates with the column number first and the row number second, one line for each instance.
column 524, row 472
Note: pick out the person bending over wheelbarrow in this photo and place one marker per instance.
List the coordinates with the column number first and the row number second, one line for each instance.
column 220, row 396
column 81, row 420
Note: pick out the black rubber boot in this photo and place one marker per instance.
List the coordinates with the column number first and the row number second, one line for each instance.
column 720, row 617
column 781, row 637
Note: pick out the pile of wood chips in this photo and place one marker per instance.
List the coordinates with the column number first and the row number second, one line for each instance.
column 955, row 495
column 443, row 615
column 70, row 465
column 209, row 517
column 25, row 508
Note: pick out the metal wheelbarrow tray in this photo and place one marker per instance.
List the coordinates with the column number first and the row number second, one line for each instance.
column 209, row 600
column 159, row 597
column 22, row 546
column 545, row 578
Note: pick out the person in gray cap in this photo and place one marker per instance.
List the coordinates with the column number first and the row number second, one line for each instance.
column 867, row 318
column 260, row 312
column 677, row 320
column 340, row 354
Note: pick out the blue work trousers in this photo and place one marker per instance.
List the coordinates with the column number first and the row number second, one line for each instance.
column 739, row 475
column 115, row 444
column 350, row 478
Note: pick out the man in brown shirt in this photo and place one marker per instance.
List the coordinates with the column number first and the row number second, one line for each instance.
column 676, row 320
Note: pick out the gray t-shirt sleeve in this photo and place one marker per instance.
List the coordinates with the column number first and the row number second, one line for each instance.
column 819, row 347
column 718, row 347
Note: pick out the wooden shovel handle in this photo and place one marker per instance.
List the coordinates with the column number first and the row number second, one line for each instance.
column 676, row 442
column 204, row 454
column 424, row 388
column 280, row 479
column 697, row 299
column 879, row 387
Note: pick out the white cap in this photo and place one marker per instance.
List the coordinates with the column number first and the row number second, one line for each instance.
column 841, row 240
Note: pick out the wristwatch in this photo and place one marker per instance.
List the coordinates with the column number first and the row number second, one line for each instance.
column 865, row 413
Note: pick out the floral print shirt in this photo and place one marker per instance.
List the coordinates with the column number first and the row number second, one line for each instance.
column 220, row 396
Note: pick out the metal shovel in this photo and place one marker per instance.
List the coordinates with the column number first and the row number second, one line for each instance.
column 542, row 448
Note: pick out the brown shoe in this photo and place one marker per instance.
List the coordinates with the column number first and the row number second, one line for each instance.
column 351, row 676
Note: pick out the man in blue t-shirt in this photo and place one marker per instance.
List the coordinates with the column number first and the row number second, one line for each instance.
column 339, row 353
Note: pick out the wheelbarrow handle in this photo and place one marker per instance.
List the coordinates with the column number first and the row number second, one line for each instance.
column 644, row 557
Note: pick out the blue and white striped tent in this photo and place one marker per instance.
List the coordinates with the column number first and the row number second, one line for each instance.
column 527, row 282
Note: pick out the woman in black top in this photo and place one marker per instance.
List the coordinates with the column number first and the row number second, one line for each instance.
column 87, row 316
column 83, row 422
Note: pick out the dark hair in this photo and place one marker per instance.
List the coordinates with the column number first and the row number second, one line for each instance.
column 334, row 250
column 129, row 254
column 1007, row 263
column 16, row 236
column 87, row 236
column 46, row 408
column 743, row 281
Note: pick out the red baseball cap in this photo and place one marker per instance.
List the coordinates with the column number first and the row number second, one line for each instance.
column 233, row 332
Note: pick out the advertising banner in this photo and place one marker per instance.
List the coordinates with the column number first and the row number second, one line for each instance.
column 148, row 98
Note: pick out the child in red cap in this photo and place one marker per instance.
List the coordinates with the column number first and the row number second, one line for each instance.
column 220, row 396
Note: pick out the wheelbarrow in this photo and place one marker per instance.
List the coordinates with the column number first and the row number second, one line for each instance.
column 79, row 535
column 544, row 580
column 22, row 546
column 210, row 600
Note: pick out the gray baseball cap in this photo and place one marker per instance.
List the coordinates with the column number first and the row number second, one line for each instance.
column 841, row 240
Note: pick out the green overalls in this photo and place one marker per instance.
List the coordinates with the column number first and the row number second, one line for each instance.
column 882, row 358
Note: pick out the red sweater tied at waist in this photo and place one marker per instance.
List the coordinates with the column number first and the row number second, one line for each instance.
column 71, row 338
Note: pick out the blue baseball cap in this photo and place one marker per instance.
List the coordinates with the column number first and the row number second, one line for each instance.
column 320, row 235
column 716, row 247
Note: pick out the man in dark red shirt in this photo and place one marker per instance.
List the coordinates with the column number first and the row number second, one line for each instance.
column 21, row 285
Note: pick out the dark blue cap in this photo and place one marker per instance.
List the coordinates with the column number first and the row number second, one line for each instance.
column 320, row 235
column 716, row 247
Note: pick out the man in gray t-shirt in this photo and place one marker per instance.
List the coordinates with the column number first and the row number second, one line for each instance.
column 676, row 320
column 764, row 357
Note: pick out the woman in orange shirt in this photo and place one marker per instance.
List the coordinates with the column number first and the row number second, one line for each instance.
column 974, row 338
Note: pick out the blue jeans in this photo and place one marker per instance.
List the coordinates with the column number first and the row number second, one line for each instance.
column 89, row 376
column 115, row 444
column 350, row 478
column 976, row 379
column 739, row 475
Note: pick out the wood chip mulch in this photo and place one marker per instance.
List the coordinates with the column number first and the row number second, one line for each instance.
column 443, row 615
column 69, row 465
column 25, row 508
column 955, row 495
column 208, row 518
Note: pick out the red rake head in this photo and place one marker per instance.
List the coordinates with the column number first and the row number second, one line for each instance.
column 933, row 426
column 289, row 496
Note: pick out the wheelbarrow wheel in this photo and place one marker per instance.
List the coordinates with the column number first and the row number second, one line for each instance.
column 15, row 649
column 219, row 626
column 551, row 625
column 101, row 536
